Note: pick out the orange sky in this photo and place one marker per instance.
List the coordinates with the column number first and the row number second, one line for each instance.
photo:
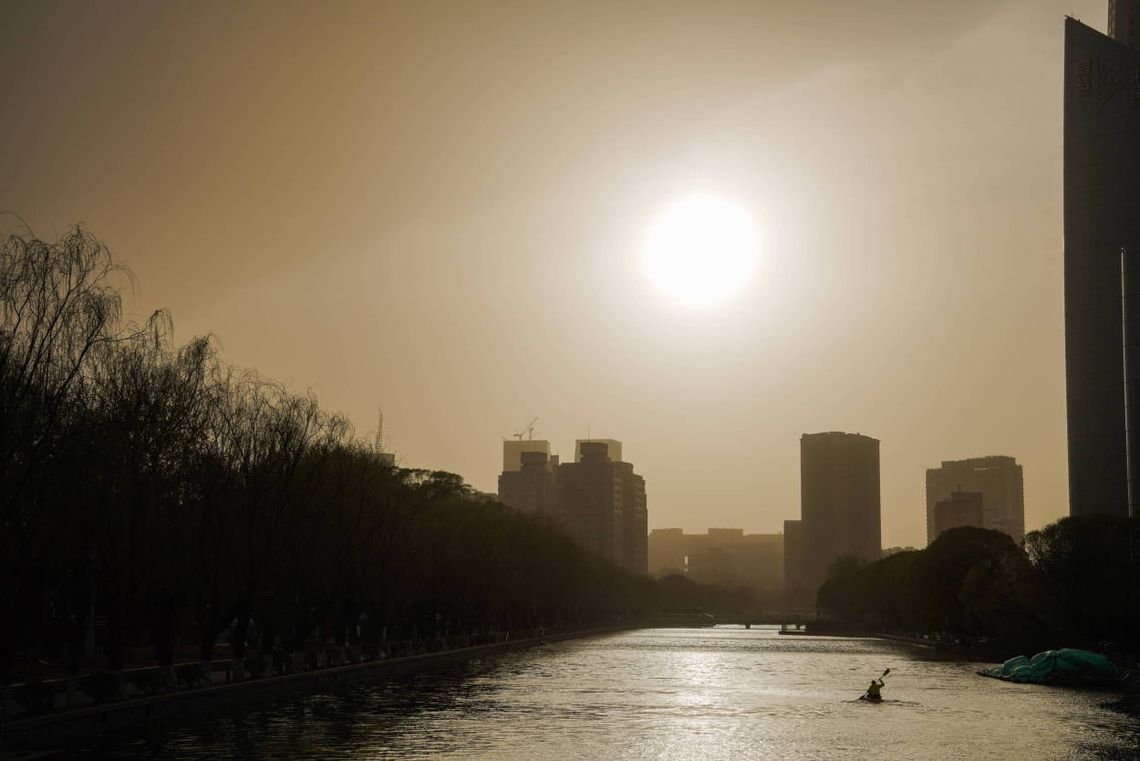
column 437, row 207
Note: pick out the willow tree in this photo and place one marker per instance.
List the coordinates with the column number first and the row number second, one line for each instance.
column 58, row 305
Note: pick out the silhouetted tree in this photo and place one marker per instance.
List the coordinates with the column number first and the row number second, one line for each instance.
column 968, row 582
column 175, row 498
column 1089, row 567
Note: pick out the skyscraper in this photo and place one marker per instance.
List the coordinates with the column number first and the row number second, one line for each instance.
column 635, row 521
column 1000, row 481
column 1102, row 235
column 513, row 451
column 602, row 506
column 531, row 488
column 613, row 448
column 1124, row 21
column 839, row 504
column 796, row 589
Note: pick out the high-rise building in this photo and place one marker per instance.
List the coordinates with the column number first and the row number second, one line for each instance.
column 960, row 508
column 839, row 504
column 635, row 521
column 668, row 551
column 725, row 556
column 1124, row 21
column 1102, row 237
column 613, row 448
column 1000, row 481
column 513, row 451
column 796, row 590
column 531, row 488
column 602, row 505
column 729, row 557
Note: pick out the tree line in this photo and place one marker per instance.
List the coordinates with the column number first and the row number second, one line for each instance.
column 172, row 497
column 1074, row 583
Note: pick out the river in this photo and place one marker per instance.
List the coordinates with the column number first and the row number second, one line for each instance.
column 723, row 693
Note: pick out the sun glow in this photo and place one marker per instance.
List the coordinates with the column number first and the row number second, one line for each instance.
column 701, row 251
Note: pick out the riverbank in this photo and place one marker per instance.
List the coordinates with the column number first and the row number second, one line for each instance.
column 708, row 693
column 978, row 651
column 61, row 728
column 975, row 649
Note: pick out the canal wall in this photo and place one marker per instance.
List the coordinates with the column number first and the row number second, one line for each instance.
column 962, row 648
column 61, row 728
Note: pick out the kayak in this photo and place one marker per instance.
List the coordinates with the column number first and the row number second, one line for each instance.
column 870, row 699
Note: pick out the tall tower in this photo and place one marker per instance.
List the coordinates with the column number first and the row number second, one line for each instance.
column 839, row 502
column 1102, row 230
column 1124, row 21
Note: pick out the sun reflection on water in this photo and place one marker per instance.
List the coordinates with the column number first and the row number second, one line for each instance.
column 670, row 694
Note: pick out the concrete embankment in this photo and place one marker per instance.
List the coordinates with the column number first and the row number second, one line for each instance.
column 918, row 641
column 61, row 728
column 983, row 651
column 966, row 650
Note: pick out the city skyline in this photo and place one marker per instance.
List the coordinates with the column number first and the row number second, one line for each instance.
column 874, row 248
column 597, row 499
column 855, row 285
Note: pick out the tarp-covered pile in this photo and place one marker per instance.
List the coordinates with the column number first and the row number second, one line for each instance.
column 1066, row 666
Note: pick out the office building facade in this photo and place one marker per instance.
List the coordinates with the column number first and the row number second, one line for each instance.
column 532, row 488
column 668, row 551
column 724, row 556
column 840, row 512
column 602, row 505
column 958, row 509
column 998, row 478
column 796, row 589
column 612, row 446
column 1102, row 238
column 1124, row 21
column 513, row 450
column 635, row 521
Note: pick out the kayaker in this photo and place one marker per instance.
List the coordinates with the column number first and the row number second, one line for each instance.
column 873, row 691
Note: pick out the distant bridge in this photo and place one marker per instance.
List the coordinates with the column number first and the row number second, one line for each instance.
column 698, row 617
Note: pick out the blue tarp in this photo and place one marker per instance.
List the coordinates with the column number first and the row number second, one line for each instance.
column 1066, row 666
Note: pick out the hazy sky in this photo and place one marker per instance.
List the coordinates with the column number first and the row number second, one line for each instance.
column 438, row 207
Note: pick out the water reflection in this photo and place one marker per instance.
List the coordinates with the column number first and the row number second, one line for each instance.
column 723, row 693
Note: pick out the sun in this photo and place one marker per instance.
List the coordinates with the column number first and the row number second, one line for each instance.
column 701, row 251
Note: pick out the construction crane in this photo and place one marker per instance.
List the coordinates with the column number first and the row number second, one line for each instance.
column 528, row 431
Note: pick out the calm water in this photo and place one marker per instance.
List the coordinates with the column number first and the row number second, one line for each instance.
column 680, row 693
